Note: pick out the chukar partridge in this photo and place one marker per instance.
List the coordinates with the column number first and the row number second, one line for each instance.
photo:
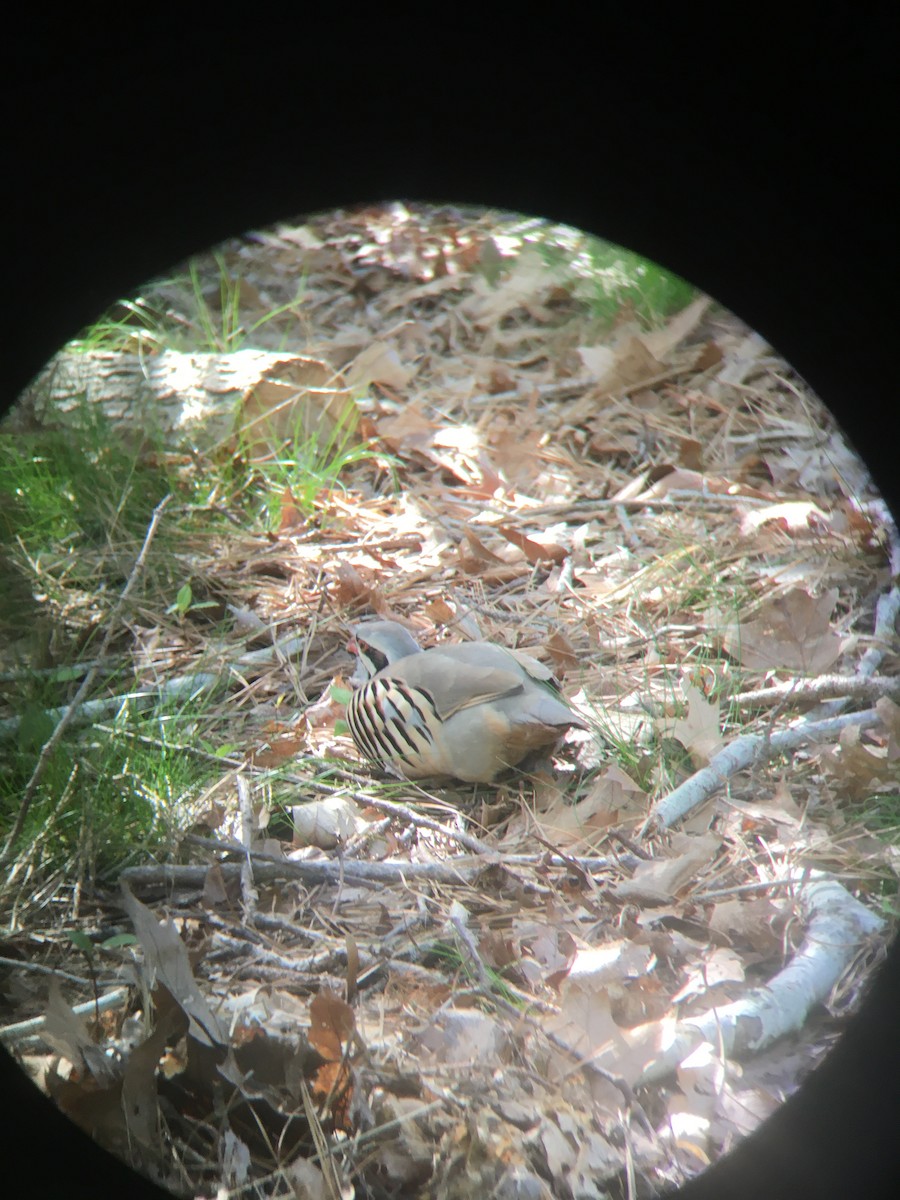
column 469, row 710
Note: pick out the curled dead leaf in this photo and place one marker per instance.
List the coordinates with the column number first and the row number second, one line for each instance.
column 535, row 552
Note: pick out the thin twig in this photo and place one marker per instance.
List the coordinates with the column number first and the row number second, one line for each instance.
column 421, row 822
column 112, row 628
column 40, row 969
column 459, row 921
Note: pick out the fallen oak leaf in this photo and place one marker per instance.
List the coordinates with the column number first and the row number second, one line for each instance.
column 699, row 731
column 476, row 549
column 562, row 652
column 535, row 552
column 791, row 632
column 332, row 1024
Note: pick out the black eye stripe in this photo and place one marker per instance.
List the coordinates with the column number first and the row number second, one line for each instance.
column 377, row 658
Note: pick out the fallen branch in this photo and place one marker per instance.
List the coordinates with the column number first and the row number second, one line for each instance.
column 745, row 752
column 836, row 925
column 268, row 868
column 859, row 687
column 197, row 395
column 10, row 1034
column 419, row 821
column 183, row 687
column 884, row 635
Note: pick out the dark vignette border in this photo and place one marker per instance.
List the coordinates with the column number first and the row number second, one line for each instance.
column 752, row 159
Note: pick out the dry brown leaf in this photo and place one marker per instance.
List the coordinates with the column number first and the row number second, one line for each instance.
column 616, row 797
column 281, row 744
column 166, row 962
column 623, row 367
column 791, row 633
column 661, row 879
column 889, row 712
column 743, row 358
column 661, row 342
column 216, row 892
column 781, row 808
column 862, row 766
column 350, row 587
column 410, row 429
column 464, row 1037
column 332, row 1023
column 298, row 398
column 577, row 1158
column 562, row 652
column 476, row 550
column 585, row 1021
column 527, row 285
column 596, row 981
column 64, row 1029
column 499, row 378
column 544, row 944
column 613, row 798
column 690, row 454
column 709, row 355
column 535, row 552
column 378, row 363
column 407, row 1157
column 326, row 709
column 717, row 967
column 516, row 448
column 438, row 611
column 698, row 732
column 140, row 1103
column 680, row 479
column 750, row 922
column 291, row 516
column 804, row 462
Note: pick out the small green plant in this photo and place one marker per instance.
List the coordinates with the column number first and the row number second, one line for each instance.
column 224, row 332
column 137, row 324
column 83, row 943
column 152, row 321
column 49, row 491
column 881, row 812
column 309, row 466
column 184, row 602
column 111, row 793
column 459, row 963
column 611, row 279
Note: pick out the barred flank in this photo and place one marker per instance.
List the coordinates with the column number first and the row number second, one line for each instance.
column 390, row 721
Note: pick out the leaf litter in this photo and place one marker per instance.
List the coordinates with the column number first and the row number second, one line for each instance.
column 552, row 983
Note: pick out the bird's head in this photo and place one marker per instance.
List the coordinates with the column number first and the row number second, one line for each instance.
column 376, row 645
